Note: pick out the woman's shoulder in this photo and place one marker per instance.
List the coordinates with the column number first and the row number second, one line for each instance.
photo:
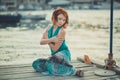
column 62, row 31
column 48, row 27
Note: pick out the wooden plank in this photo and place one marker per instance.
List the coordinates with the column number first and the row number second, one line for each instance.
column 79, row 64
column 19, row 71
column 116, row 69
column 27, row 75
column 57, row 78
column 110, row 77
column 17, row 76
column 26, row 72
column 27, row 68
column 117, row 78
column 94, row 78
column 26, row 65
column 24, row 75
column 90, row 77
column 14, row 66
column 93, row 62
column 30, row 64
column 49, row 78
column 39, row 77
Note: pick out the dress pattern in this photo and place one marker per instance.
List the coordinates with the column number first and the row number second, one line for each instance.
column 48, row 67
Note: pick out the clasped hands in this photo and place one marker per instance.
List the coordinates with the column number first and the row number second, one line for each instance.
column 57, row 39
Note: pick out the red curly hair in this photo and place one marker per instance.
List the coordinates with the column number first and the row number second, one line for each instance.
column 57, row 12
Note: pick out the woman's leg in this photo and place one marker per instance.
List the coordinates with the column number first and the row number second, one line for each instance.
column 57, row 66
column 61, row 59
column 60, row 69
column 79, row 73
column 39, row 65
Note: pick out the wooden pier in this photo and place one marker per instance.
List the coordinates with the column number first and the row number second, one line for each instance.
column 26, row 72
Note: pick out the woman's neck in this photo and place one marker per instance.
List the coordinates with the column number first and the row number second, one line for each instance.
column 55, row 26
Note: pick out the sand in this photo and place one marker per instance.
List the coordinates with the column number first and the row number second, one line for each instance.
column 87, row 33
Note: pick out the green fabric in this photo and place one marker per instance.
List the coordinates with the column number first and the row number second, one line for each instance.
column 52, row 68
column 63, row 48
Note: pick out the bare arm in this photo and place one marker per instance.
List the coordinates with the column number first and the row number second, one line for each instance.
column 59, row 40
column 44, row 40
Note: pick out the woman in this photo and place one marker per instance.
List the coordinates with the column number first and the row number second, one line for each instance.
column 54, row 36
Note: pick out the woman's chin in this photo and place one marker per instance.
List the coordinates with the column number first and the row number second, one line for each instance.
column 59, row 25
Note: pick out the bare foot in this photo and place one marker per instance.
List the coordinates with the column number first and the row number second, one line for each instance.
column 79, row 73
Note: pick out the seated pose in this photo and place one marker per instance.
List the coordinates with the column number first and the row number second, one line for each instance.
column 54, row 36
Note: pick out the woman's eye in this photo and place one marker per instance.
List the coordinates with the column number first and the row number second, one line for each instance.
column 59, row 18
column 64, row 20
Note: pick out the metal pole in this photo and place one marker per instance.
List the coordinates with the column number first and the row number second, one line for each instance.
column 109, row 63
column 111, row 28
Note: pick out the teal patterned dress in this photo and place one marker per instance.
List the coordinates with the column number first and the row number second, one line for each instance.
column 47, row 67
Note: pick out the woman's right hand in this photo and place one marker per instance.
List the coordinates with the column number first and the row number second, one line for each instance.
column 58, row 39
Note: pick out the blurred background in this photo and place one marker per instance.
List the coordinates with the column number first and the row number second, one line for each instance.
column 22, row 23
column 24, row 5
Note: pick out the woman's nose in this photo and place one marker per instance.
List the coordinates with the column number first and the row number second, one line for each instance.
column 61, row 21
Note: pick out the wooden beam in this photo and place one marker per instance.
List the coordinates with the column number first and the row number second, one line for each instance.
column 116, row 69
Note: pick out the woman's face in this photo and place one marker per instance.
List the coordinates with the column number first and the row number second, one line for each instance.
column 61, row 20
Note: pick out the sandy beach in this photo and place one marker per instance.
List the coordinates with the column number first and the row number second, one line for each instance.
column 87, row 33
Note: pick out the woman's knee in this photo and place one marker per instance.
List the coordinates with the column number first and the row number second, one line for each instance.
column 39, row 65
column 35, row 64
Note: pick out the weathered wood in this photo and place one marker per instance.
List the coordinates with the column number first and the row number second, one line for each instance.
column 26, row 72
column 14, row 66
column 16, row 71
column 93, row 62
column 33, row 74
column 116, row 69
column 17, row 76
column 91, row 77
column 116, row 78
column 28, row 68
column 23, row 65
column 75, row 63
column 38, row 76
